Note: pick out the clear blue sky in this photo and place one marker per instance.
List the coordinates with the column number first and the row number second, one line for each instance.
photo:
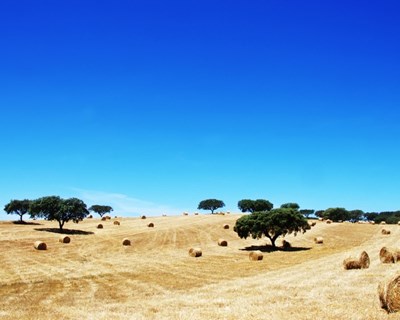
column 152, row 106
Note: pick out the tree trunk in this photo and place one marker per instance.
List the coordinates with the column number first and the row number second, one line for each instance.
column 61, row 224
column 20, row 217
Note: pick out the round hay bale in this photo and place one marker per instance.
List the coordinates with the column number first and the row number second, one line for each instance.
column 195, row 252
column 320, row 219
column 40, row 245
column 226, row 226
column 286, row 244
column 383, row 222
column 117, row 223
column 90, row 216
column 126, row 242
column 103, row 218
column 99, row 226
column 64, row 239
column 350, row 263
column 196, row 213
column 222, row 243
column 364, row 260
column 389, row 294
column 385, row 232
column 143, row 217
column 150, row 225
column 185, row 213
column 228, row 212
column 256, row 256
column 386, row 255
column 319, row 240
column 328, row 221
column 398, row 222
column 313, row 223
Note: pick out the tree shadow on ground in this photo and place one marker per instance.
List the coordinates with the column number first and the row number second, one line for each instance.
column 65, row 231
column 269, row 248
column 27, row 223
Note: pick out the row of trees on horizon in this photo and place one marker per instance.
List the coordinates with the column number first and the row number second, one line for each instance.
column 64, row 210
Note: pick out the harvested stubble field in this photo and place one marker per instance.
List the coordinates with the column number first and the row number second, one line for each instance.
column 96, row 277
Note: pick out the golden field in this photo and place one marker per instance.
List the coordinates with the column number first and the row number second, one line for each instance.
column 95, row 277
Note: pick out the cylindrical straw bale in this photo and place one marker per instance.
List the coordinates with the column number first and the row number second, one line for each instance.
column 256, row 255
column 40, row 245
column 319, row 240
column 103, row 218
column 99, row 226
column 64, row 239
column 226, row 226
column 126, row 242
column 364, row 260
column 386, row 255
column 143, row 217
column 222, row 242
column 195, row 252
column 286, row 244
column 150, row 225
column 385, row 232
column 389, row 294
column 117, row 223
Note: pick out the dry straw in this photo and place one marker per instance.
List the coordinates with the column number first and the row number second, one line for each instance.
column 362, row 262
column 386, row 232
column 222, row 242
column 103, row 218
column 226, row 226
column 143, row 217
column 328, row 221
column 64, row 239
column 117, row 223
column 185, row 213
column 319, row 240
column 89, row 216
column 99, row 226
column 389, row 294
column 126, row 242
column 150, row 225
column 40, row 245
column 286, row 244
column 312, row 224
column 195, row 252
column 383, row 222
column 386, row 255
column 255, row 256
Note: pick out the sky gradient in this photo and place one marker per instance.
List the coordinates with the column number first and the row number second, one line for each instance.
column 153, row 106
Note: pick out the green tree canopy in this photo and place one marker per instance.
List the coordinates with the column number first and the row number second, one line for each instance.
column 306, row 212
column 336, row 214
column 101, row 210
column 291, row 205
column 19, row 207
column 247, row 205
column 62, row 210
column 211, row 204
column 272, row 224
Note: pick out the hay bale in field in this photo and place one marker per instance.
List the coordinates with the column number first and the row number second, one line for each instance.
column 319, row 240
column 328, row 221
column 383, row 222
column 320, row 219
column 389, row 294
column 228, row 212
column 386, row 255
column 108, row 217
column 99, row 226
column 186, row 213
column 286, row 244
column 64, row 239
column 371, row 222
column 256, row 256
column 385, row 232
column 90, row 216
column 362, row 262
column 312, row 223
column 103, row 218
column 226, row 226
column 126, row 242
column 117, row 223
column 195, row 252
column 143, row 217
column 222, row 242
column 196, row 213
column 150, row 225
column 40, row 245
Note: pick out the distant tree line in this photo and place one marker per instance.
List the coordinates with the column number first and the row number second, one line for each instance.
column 54, row 208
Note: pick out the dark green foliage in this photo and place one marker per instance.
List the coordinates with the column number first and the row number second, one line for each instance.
column 336, row 214
column 319, row 213
column 291, row 205
column 19, row 207
column 356, row 215
column 62, row 210
column 390, row 217
column 272, row 224
column 211, row 204
column 371, row 216
column 101, row 210
column 247, row 205
column 306, row 212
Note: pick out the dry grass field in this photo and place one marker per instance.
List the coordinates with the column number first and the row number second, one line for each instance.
column 96, row 277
